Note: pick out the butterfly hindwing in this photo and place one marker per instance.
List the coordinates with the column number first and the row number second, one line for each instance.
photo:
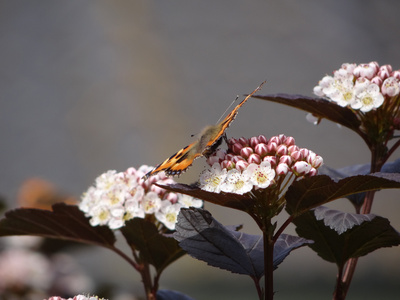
column 209, row 140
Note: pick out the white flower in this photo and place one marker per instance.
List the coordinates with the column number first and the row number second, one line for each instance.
column 133, row 209
column 187, row 201
column 211, row 179
column 100, row 215
column 118, row 197
column 236, row 182
column 151, row 203
column 106, row 180
column 391, row 87
column 341, row 91
column 168, row 214
column 368, row 97
column 261, row 175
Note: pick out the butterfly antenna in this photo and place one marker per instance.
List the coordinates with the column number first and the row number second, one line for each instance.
column 230, row 105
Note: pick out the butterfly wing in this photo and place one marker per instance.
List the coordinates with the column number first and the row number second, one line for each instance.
column 212, row 134
column 177, row 163
column 183, row 159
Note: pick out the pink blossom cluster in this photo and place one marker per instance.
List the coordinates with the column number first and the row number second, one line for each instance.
column 362, row 87
column 118, row 197
column 257, row 163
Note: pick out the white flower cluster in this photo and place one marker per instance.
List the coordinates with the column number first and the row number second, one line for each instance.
column 218, row 180
column 118, row 197
column 362, row 87
column 257, row 163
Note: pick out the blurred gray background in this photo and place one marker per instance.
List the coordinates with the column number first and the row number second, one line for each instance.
column 88, row 86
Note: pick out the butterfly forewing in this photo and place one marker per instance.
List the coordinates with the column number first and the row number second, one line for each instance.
column 183, row 159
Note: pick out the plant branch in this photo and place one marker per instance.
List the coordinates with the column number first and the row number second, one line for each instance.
column 268, row 261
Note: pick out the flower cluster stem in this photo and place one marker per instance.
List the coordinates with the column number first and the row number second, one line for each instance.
column 268, row 261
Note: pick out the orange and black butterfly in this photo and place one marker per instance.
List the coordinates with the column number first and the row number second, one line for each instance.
column 206, row 144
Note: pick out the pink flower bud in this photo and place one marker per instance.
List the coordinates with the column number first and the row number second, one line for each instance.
column 396, row 74
column 232, row 141
column 301, row 168
column 241, row 165
column 304, row 151
column 384, row 71
column 366, row 70
column 236, row 158
column 236, row 147
column 244, row 141
column 282, row 169
column 312, row 172
column 254, row 158
column 274, row 140
column 253, row 141
column 282, row 138
column 262, row 139
column 285, row 159
column 172, row 197
column 229, row 156
column 317, row 161
column 261, row 149
column 297, row 155
column 227, row 164
column 293, row 148
column 271, row 147
column 289, row 141
column 281, row 150
column 390, row 87
column 271, row 160
column 246, row 152
column 377, row 80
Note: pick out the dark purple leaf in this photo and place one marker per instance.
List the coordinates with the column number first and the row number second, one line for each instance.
column 338, row 220
column 206, row 239
column 155, row 248
column 285, row 244
column 355, row 242
column 311, row 192
column 363, row 169
column 317, row 106
column 65, row 222
column 240, row 202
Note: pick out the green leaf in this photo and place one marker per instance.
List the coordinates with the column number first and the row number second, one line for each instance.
column 155, row 248
column 65, row 222
column 311, row 192
column 355, row 241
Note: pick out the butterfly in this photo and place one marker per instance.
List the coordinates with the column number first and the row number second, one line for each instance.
column 205, row 145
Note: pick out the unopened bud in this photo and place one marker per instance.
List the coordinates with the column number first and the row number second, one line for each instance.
column 254, row 158
column 261, row 149
column 282, row 169
column 246, row 152
column 281, row 150
column 301, row 168
column 241, row 165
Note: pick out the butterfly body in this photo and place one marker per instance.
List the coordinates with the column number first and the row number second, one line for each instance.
column 206, row 144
